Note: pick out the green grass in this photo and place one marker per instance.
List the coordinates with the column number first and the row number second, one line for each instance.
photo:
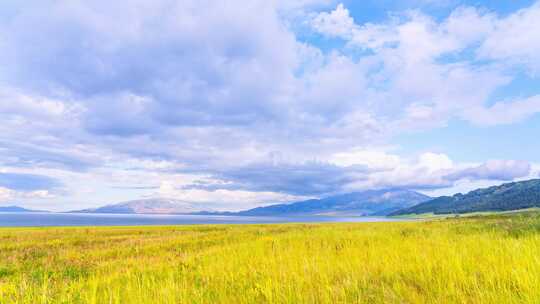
column 476, row 259
column 432, row 215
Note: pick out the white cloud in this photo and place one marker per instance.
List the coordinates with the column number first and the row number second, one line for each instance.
column 505, row 112
column 11, row 196
column 435, row 161
column 221, row 199
column 515, row 39
column 494, row 170
column 5, row 194
column 430, row 171
column 411, row 50
column 17, row 103
column 336, row 23
column 535, row 172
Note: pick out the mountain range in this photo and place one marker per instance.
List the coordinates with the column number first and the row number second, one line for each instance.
column 509, row 196
column 146, row 206
column 372, row 202
column 17, row 209
column 393, row 202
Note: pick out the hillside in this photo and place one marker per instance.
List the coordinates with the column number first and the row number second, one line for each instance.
column 510, row 196
column 145, row 206
column 17, row 209
column 373, row 202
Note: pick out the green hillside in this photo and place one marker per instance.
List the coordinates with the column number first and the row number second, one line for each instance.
column 510, row 196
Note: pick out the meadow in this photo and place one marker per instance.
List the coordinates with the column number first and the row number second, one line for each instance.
column 478, row 259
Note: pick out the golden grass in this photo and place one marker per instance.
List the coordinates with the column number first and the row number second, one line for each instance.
column 490, row 259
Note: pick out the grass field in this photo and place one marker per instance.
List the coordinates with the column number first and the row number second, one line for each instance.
column 483, row 259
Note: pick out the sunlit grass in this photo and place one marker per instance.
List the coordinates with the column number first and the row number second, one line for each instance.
column 485, row 259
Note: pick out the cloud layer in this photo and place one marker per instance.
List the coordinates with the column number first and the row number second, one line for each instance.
column 209, row 96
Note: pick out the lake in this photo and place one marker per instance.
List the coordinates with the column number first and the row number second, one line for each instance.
column 12, row 219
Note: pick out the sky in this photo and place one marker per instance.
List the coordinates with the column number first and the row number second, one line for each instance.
column 230, row 105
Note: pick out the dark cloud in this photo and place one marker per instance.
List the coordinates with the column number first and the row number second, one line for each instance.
column 193, row 66
column 33, row 155
column 311, row 178
column 179, row 81
column 27, row 182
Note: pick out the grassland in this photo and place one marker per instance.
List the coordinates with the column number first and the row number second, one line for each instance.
column 479, row 259
column 432, row 215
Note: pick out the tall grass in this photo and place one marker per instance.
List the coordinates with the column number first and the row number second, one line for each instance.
column 490, row 259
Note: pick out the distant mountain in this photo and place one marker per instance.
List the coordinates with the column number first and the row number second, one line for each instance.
column 373, row 202
column 17, row 209
column 510, row 196
column 146, row 206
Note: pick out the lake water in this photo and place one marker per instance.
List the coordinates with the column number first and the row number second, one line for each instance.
column 9, row 219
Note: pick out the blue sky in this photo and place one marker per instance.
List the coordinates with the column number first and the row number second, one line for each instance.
column 230, row 105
